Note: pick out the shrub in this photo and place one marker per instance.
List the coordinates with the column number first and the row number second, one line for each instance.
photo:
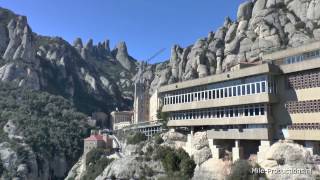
column 50, row 124
column 94, row 155
column 158, row 139
column 147, row 171
column 177, row 163
column 96, row 168
column 136, row 138
column 242, row 170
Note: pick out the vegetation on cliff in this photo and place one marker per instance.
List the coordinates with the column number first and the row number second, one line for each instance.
column 49, row 124
column 96, row 162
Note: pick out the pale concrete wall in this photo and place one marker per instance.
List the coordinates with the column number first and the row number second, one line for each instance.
column 301, row 66
column 306, row 134
column 292, row 51
column 256, row 133
column 153, row 106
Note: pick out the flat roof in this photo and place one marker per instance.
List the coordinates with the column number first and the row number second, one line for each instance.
column 291, row 51
column 245, row 72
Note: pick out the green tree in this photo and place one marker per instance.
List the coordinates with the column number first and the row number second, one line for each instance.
column 136, row 138
column 94, row 155
column 164, row 116
column 96, row 168
column 177, row 163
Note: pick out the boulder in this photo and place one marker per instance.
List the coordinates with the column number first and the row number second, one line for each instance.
column 199, row 140
column 202, row 155
column 231, row 33
column 212, row 169
column 313, row 12
column 274, row 3
column 245, row 11
column 258, row 6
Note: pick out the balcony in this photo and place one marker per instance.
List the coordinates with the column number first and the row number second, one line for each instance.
column 250, row 134
column 219, row 121
column 222, row 102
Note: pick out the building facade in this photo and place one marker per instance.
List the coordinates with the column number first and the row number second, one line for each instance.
column 253, row 104
column 97, row 140
column 121, row 119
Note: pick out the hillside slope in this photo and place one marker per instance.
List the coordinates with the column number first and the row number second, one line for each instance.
column 94, row 77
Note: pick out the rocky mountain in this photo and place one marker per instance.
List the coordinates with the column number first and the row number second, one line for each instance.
column 262, row 26
column 94, row 77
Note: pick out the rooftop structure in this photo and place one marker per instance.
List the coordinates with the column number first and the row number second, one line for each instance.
column 97, row 140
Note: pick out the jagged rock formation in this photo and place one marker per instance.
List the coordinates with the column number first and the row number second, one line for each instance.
column 93, row 76
column 261, row 26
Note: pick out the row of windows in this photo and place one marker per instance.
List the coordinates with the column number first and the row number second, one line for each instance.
column 300, row 126
column 219, row 85
column 240, row 126
column 302, row 57
column 122, row 118
column 240, row 90
column 304, row 80
column 311, row 106
column 150, row 131
column 228, row 112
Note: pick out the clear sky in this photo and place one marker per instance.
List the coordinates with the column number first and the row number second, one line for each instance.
column 145, row 25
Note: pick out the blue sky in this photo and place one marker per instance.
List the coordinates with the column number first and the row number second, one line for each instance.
column 145, row 25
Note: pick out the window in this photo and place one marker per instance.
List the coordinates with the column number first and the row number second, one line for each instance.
column 218, row 93
column 222, row 113
column 225, row 92
column 251, row 111
column 243, row 90
column 213, row 94
column 210, row 94
column 246, row 111
column 253, row 89
column 262, row 110
column 236, row 112
column 221, row 93
column 231, row 112
column 258, row 87
column 263, row 86
column 206, row 95
column 239, row 90
column 234, row 91
column 256, row 110
column 248, row 89
column 230, row 91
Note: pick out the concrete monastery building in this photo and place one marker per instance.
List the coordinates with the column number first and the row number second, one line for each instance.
column 252, row 105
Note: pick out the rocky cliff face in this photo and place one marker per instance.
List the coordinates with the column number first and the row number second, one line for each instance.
column 93, row 76
column 261, row 26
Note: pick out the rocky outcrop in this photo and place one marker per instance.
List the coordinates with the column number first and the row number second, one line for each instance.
column 94, row 71
column 261, row 26
column 288, row 155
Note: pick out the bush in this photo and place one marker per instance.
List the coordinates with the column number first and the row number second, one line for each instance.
column 242, row 170
column 50, row 124
column 96, row 168
column 94, row 155
column 177, row 163
column 158, row 139
column 147, row 171
column 136, row 138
